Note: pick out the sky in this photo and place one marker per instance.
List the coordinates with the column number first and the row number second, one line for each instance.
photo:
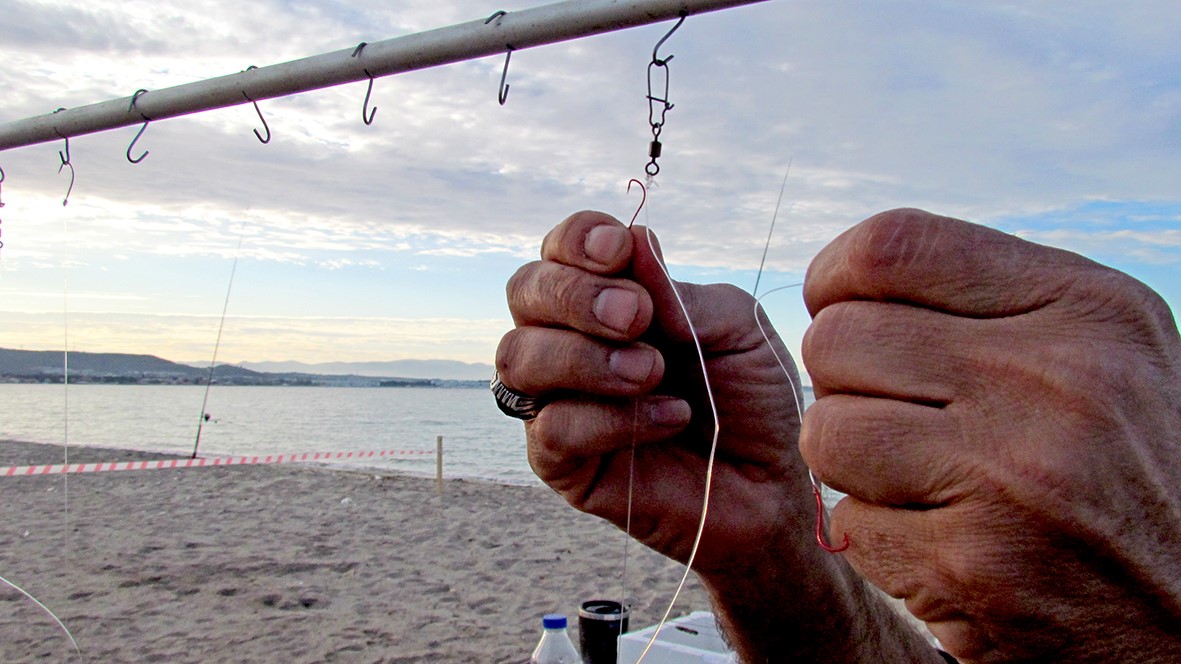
column 1058, row 121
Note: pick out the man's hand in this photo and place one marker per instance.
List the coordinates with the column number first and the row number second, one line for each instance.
column 601, row 337
column 1006, row 419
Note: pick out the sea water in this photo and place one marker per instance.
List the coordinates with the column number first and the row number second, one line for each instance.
column 479, row 442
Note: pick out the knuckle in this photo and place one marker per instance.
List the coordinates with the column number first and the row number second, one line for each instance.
column 811, row 432
column 540, row 360
column 565, row 242
column 508, row 351
column 888, row 239
column 520, row 284
column 821, row 437
column 1142, row 313
column 823, row 337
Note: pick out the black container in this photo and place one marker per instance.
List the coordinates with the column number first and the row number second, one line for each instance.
column 600, row 622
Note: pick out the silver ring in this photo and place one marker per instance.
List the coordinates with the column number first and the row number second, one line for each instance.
column 513, row 403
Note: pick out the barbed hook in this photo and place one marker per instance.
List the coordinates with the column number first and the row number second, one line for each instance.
column 820, row 519
column 644, row 191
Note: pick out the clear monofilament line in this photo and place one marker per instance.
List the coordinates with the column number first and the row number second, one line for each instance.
column 47, row 611
column 796, row 390
column 66, row 378
column 713, row 448
column 771, row 231
column 627, row 529
column 798, row 398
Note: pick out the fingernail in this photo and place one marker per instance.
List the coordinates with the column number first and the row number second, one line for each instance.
column 616, row 308
column 603, row 243
column 669, row 413
column 632, row 364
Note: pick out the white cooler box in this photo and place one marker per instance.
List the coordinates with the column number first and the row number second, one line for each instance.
column 690, row 639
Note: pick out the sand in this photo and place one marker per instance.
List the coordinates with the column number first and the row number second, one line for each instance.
column 299, row 563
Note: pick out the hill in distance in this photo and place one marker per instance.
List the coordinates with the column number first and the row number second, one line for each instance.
column 424, row 369
column 31, row 365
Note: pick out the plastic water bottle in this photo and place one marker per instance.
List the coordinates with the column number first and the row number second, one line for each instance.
column 555, row 646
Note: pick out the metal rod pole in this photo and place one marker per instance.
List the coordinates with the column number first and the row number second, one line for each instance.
column 475, row 39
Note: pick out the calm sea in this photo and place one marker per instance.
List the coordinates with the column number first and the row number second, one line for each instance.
column 479, row 442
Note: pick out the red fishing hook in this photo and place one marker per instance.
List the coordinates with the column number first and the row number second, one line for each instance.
column 820, row 525
column 643, row 200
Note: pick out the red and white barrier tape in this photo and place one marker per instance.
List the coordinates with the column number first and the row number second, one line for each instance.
column 158, row 464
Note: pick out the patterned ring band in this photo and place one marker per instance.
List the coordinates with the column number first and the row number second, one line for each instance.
column 514, row 404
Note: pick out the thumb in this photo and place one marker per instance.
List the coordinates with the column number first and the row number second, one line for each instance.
column 940, row 263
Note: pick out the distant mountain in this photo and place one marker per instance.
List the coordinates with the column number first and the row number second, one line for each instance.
column 47, row 366
column 50, row 362
column 425, row 369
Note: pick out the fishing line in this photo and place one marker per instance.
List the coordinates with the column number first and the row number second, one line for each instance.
column 797, row 390
column 65, row 433
column 709, row 469
column 66, row 371
column 798, row 397
column 47, row 611
column 770, row 232
column 624, row 604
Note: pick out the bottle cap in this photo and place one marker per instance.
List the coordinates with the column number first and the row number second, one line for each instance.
column 554, row 621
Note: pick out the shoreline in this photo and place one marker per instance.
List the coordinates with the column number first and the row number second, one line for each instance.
column 300, row 563
column 91, row 453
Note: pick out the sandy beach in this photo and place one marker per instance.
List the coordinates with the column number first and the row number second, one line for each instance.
column 298, row 563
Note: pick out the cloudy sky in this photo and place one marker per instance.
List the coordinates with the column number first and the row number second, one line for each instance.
column 1059, row 121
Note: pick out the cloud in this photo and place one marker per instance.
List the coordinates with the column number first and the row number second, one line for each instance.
column 1008, row 114
column 261, row 338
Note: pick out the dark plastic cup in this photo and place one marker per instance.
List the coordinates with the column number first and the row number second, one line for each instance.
column 600, row 622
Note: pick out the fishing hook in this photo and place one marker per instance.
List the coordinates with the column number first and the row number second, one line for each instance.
column 1, row 182
column 366, row 114
column 266, row 140
column 644, row 191
column 131, row 107
column 820, row 521
column 503, row 96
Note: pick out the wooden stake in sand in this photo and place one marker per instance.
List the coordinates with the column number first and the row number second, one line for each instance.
column 439, row 465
